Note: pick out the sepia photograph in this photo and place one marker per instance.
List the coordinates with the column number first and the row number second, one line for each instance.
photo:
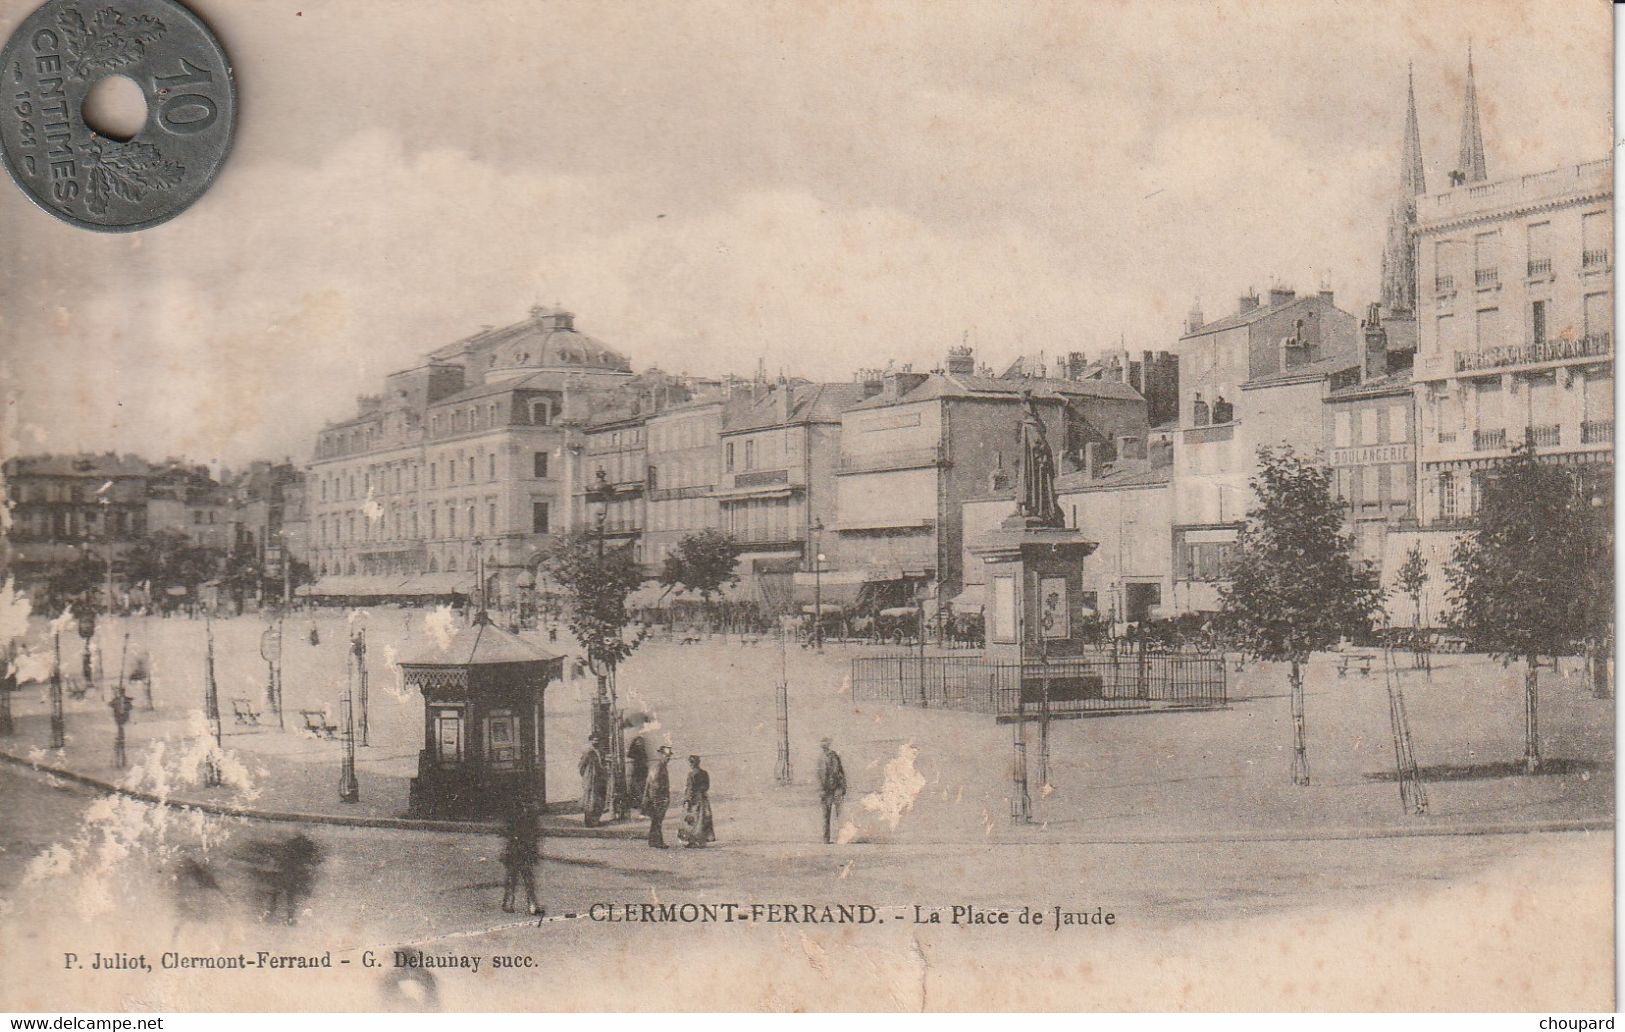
column 850, row 506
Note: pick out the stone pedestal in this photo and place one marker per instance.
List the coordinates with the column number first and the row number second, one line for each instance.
column 1035, row 591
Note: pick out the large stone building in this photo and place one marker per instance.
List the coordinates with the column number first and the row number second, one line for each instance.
column 65, row 509
column 462, row 463
column 1251, row 379
column 1516, row 334
column 925, row 443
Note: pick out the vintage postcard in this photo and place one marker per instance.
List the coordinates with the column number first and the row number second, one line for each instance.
column 828, row 506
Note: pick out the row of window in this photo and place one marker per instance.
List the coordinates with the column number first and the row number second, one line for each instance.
column 1372, row 485
column 1540, row 323
column 403, row 476
column 1596, row 236
column 407, row 526
column 1372, row 430
column 770, row 451
column 68, row 525
column 362, row 439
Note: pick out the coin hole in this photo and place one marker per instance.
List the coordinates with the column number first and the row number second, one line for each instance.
column 115, row 108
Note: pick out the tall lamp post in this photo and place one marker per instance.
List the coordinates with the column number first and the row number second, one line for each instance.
column 606, row 725
column 818, row 585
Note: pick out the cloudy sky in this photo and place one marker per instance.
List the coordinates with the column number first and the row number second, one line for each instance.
column 817, row 185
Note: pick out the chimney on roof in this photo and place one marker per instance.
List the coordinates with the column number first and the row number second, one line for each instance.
column 1074, row 365
column 1091, row 459
column 1375, row 362
column 1193, row 318
column 1281, row 295
column 1247, row 303
column 1326, row 295
column 962, row 361
column 781, row 403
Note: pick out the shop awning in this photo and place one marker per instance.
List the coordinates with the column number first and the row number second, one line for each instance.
column 429, row 585
column 842, row 587
column 356, row 586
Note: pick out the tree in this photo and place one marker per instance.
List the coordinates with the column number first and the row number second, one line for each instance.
column 596, row 581
column 702, row 563
column 168, row 557
column 1412, row 577
column 1522, row 582
column 1294, row 587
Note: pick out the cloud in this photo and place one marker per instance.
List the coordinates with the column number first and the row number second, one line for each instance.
column 822, row 187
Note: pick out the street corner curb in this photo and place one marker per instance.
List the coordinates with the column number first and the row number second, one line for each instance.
column 550, row 828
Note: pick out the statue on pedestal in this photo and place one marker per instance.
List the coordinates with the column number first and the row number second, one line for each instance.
column 1037, row 505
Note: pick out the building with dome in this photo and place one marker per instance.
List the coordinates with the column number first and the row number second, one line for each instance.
column 460, row 467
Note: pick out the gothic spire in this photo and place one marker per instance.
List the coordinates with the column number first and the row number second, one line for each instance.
column 1398, row 294
column 1412, row 181
column 1471, row 161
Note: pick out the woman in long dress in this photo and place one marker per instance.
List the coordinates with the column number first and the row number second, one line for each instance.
column 594, row 783
column 696, row 828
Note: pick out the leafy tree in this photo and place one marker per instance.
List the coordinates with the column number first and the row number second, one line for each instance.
column 595, row 582
column 168, row 557
column 78, row 578
column 1412, row 577
column 702, row 563
column 1522, row 583
column 1294, row 587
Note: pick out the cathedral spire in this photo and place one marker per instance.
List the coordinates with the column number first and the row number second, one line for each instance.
column 1412, row 181
column 1398, row 296
column 1471, row 162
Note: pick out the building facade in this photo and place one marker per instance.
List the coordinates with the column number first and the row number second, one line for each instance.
column 1516, row 332
column 462, row 464
column 1255, row 378
column 66, row 509
column 925, row 443
column 685, row 466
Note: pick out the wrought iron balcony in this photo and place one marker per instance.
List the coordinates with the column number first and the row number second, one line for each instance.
column 1548, row 436
column 1597, row 431
column 1487, row 277
column 1597, row 259
column 1444, row 284
column 1447, row 436
column 1597, row 345
column 1489, row 440
column 1540, row 266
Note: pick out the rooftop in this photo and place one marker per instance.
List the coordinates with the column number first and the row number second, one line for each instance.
column 1132, row 473
column 546, row 340
column 959, row 385
column 481, row 643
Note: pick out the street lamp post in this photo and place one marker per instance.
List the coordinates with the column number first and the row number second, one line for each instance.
column 818, row 586
column 211, row 707
column 606, row 725
column 59, row 738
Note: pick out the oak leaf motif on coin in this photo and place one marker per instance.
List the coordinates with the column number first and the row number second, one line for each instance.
column 109, row 42
column 126, row 171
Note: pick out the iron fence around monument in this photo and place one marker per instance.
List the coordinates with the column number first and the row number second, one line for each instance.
column 1100, row 682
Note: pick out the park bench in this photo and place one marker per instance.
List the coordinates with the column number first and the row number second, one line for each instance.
column 690, row 639
column 316, row 723
column 245, row 713
column 1364, row 661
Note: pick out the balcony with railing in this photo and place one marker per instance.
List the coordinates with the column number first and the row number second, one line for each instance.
column 1447, row 436
column 1486, row 278
column 902, row 458
column 1597, row 431
column 1547, row 436
column 1594, row 259
column 1489, row 440
column 1591, row 177
column 1540, row 267
column 1444, row 284
column 1558, row 349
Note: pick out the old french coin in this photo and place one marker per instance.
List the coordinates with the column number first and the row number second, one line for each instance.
column 50, row 64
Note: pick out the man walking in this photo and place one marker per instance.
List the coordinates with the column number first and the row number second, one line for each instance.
column 657, row 797
column 521, row 849
column 831, row 786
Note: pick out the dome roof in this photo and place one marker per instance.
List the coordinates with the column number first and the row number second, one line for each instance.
column 547, row 340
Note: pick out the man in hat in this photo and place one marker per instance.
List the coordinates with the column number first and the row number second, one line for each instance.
column 594, row 783
column 657, row 797
column 831, row 785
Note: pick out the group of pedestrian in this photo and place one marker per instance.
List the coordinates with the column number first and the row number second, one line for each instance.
column 650, row 785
